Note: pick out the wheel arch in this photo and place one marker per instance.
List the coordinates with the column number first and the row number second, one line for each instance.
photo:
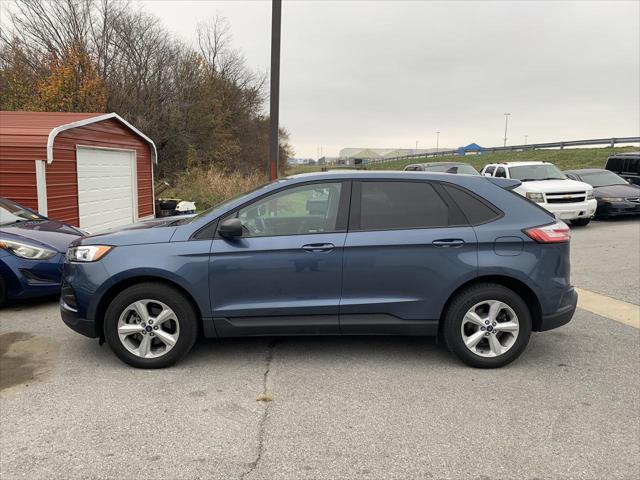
column 125, row 283
column 519, row 287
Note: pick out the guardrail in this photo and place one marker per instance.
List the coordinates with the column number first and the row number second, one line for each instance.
column 612, row 142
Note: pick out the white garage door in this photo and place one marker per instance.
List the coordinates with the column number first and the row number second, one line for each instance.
column 107, row 193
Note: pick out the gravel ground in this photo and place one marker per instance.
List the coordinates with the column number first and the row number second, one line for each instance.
column 350, row 407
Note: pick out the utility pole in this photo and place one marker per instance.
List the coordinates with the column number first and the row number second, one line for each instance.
column 506, row 123
column 525, row 139
column 416, row 150
column 437, row 141
column 274, row 88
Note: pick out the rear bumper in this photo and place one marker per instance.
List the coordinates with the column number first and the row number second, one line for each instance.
column 563, row 315
column 571, row 211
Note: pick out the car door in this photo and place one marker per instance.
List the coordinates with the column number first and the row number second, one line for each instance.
column 283, row 275
column 407, row 246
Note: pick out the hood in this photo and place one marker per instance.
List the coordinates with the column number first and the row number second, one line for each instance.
column 49, row 233
column 556, row 186
column 159, row 230
column 617, row 191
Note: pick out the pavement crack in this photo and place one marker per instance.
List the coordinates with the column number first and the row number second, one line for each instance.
column 262, row 423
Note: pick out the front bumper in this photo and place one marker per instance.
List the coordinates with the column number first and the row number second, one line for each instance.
column 572, row 211
column 24, row 278
column 74, row 321
column 614, row 209
column 563, row 315
column 83, row 285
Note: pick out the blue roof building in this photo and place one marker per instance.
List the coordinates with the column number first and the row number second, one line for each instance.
column 473, row 148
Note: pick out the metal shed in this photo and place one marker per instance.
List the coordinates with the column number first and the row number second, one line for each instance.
column 91, row 170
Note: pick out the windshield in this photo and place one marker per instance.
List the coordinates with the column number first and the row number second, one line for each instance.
column 459, row 169
column 530, row 173
column 602, row 179
column 11, row 212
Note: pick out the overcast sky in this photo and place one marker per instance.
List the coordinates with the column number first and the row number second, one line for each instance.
column 387, row 73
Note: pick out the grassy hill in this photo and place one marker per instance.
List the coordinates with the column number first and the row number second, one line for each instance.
column 567, row 159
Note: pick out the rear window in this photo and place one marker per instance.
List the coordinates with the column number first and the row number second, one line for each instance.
column 473, row 208
column 401, row 205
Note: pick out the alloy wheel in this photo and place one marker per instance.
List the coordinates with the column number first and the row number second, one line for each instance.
column 148, row 328
column 490, row 328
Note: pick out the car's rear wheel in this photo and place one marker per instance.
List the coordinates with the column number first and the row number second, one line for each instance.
column 487, row 325
column 150, row 325
column 580, row 222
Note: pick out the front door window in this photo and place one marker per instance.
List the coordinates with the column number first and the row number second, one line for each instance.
column 307, row 209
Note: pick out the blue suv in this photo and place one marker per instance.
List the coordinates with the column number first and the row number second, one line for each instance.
column 336, row 253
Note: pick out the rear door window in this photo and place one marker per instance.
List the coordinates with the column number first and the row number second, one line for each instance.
column 388, row 205
column 501, row 172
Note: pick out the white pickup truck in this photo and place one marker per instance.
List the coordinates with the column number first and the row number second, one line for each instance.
column 544, row 184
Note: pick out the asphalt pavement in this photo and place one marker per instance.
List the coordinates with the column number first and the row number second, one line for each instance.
column 338, row 407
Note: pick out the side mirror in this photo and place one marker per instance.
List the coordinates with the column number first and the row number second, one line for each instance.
column 231, row 227
column 486, row 174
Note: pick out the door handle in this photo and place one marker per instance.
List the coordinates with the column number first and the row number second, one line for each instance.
column 448, row 242
column 318, row 247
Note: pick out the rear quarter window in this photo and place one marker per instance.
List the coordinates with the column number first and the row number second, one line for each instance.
column 476, row 211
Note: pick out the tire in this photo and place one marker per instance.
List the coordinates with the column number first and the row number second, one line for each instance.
column 458, row 329
column 170, row 318
column 580, row 222
column 3, row 293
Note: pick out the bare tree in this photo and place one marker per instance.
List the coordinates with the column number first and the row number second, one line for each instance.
column 203, row 106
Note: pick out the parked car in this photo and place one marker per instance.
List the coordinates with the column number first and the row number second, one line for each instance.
column 614, row 194
column 627, row 165
column 544, row 184
column 444, row 167
column 331, row 253
column 32, row 250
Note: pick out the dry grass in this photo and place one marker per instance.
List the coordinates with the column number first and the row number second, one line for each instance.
column 210, row 187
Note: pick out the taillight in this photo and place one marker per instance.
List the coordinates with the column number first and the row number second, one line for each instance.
column 555, row 233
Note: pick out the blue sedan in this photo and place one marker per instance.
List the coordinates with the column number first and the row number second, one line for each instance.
column 409, row 253
column 32, row 249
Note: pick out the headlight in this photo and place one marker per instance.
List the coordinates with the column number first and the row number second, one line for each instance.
column 535, row 197
column 87, row 253
column 612, row 199
column 590, row 195
column 24, row 250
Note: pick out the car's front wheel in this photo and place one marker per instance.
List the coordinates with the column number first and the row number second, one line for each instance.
column 150, row 325
column 487, row 325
